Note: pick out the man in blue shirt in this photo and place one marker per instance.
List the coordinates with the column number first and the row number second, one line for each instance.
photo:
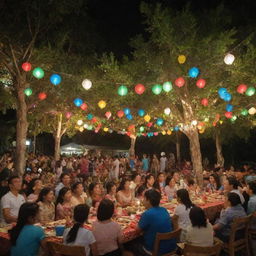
column 251, row 208
column 145, row 163
column 155, row 220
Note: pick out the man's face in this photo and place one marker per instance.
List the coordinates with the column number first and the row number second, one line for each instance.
column 66, row 180
column 227, row 186
column 16, row 184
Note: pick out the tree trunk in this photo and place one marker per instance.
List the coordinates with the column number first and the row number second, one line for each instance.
column 220, row 158
column 132, row 147
column 21, row 131
column 34, row 144
column 57, row 138
column 178, row 148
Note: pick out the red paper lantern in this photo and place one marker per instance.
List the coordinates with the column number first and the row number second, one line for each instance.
column 94, row 119
column 204, row 102
column 120, row 113
column 139, row 89
column 26, row 66
column 128, row 133
column 84, row 106
column 149, row 124
column 179, row 82
column 42, row 96
column 228, row 115
column 201, row 83
column 108, row 114
column 241, row 88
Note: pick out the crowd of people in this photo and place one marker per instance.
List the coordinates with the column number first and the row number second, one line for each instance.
column 74, row 188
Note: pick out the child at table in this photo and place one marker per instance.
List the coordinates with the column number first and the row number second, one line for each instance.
column 78, row 235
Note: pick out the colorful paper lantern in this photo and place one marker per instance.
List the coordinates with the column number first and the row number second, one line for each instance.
column 102, row 104
column 79, row 122
column 164, row 132
column 205, row 102
column 179, row 82
column 122, row 90
column 193, row 72
column 108, row 114
column 167, row 86
column 85, row 126
column 120, row 113
column 139, row 89
column 42, row 96
column 222, row 92
column 38, row 73
column 229, row 59
column 250, row 91
column 147, row 118
column 200, row 83
column 244, row 112
column 169, row 132
column 227, row 97
column 141, row 112
column 78, row 102
column 157, row 89
column 229, row 108
column 89, row 117
column 176, row 128
column 159, row 121
column 87, row 84
column 68, row 115
column 81, row 129
column 182, row 59
column 233, row 118
column 167, row 111
column 127, row 111
column 241, row 88
column 55, row 79
column 155, row 133
column 28, row 92
column 26, row 66
column 84, row 106
column 228, row 115
column 129, row 117
column 105, row 129
column 142, row 129
column 149, row 124
column 252, row 111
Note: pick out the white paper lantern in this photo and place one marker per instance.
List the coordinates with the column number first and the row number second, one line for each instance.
column 87, row 84
column 85, row 126
column 167, row 111
column 194, row 122
column 252, row 111
column 79, row 122
column 229, row 59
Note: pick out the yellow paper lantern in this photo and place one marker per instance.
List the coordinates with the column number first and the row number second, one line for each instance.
column 252, row 111
column 102, row 104
column 81, row 129
column 201, row 131
column 182, row 59
column 147, row 118
column 105, row 129
column 164, row 132
column 169, row 132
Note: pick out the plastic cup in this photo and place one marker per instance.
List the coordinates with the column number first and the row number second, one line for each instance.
column 59, row 230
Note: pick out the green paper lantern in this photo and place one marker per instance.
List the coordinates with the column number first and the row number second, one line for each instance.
column 244, row 112
column 28, row 92
column 157, row 89
column 142, row 129
column 233, row 118
column 122, row 90
column 250, row 91
column 38, row 73
column 167, row 86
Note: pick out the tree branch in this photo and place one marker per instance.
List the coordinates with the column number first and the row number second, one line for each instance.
column 14, row 59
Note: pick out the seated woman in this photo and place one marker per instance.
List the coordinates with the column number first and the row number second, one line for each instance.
column 35, row 186
column 64, row 208
column 78, row 194
column 95, row 194
column 135, row 183
column 111, row 191
column 26, row 238
column 169, row 189
column 214, row 184
column 46, row 205
column 160, row 182
column 107, row 233
column 200, row 233
column 78, row 235
column 192, row 187
column 124, row 195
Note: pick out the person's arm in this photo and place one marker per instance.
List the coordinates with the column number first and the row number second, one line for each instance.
column 94, row 250
column 8, row 217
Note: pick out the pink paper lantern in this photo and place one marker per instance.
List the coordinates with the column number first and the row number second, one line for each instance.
column 204, row 102
column 108, row 114
column 179, row 82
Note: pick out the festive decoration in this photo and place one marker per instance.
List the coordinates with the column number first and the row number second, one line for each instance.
column 229, row 59
column 169, row 132
column 194, row 123
column 252, row 111
column 250, row 91
column 176, row 128
column 167, row 111
column 122, row 90
column 228, row 115
column 193, row 72
column 149, row 124
column 79, row 122
column 241, row 88
column 227, row 97
column 222, row 92
column 68, row 115
column 157, row 89
column 87, row 84
column 182, row 59
column 159, row 121
column 205, row 102
column 229, row 108
column 89, row 117
column 244, row 112
column 141, row 112
column 102, row 104
column 42, row 96
column 127, row 111
column 84, row 106
column 26, row 66
column 164, row 132
column 233, row 118
column 81, row 129
column 200, row 83
column 179, row 82
column 85, row 126
column 55, row 79
column 108, row 114
column 129, row 117
column 28, row 92
column 167, row 86
column 105, row 129
column 142, row 129
column 38, row 73
column 78, row 102
column 147, row 118
column 139, row 89
column 120, row 113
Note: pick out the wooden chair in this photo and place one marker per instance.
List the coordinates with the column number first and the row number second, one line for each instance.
column 191, row 250
column 252, row 233
column 165, row 236
column 57, row 249
column 175, row 222
column 234, row 245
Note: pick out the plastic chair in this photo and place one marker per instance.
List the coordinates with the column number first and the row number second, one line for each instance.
column 57, row 249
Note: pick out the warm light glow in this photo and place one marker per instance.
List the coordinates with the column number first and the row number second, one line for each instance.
column 79, row 122
column 167, row 111
column 229, row 59
column 194, row 122
column 252, row 111
column 87, row 84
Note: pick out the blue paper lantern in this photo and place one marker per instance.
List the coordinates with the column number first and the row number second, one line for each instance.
column 55, row 79
column 159, row 121
column 193, row 72
column 129, row 117
column 78, row 102
column 90, row 116
column 227, row 97
column 222, row 92
column 141, row 112
column 127, row 111
column 229, row 108
column 176, row 128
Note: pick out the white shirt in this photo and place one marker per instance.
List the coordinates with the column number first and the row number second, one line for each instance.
column 84, row 238
column 12, row 202
column 240, row 195
column 163, row 161
column 183, row 213
column 116, row 165
column 58, row 188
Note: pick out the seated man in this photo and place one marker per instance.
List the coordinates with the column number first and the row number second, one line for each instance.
column 155, row 220
column 11, row 202
column 64, row 182
column 231, row 184
column 233, row 210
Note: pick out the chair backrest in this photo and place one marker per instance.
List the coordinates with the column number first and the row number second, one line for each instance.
column 58, row 249
column 165, row 236
column 214, row 250
column 175, row 222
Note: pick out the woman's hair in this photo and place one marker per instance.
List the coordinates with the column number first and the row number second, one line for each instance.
column 252, row 186
column 160, row 173
column 31, row 185
column 81, row 213
column 109, row 186
column 234, row 199
column 168, row 180
column 140, row 190
column 233, row 181
column 122, row 184
column 190, row 182
column 135, row 175
column 148, row 178
column 217, row 180
column 26, row 211
column 153, row 196
column 183, row 195
column 75, row 185
column 62, row 193
column 197, row 217
column 91, row 187
column 105, row 210
column 44, row 192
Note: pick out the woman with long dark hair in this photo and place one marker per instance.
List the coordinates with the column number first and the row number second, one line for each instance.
column 78, row 235
column 26, row 238
column 34, row 188
column 214, row 184
column 124, row 195
column 95, row 194
column 78, row 194
column 64, row 207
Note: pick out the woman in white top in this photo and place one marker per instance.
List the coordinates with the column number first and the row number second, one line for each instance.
column 169, row 189
column 200, row 233
column 78, row 235
column 182, row 211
